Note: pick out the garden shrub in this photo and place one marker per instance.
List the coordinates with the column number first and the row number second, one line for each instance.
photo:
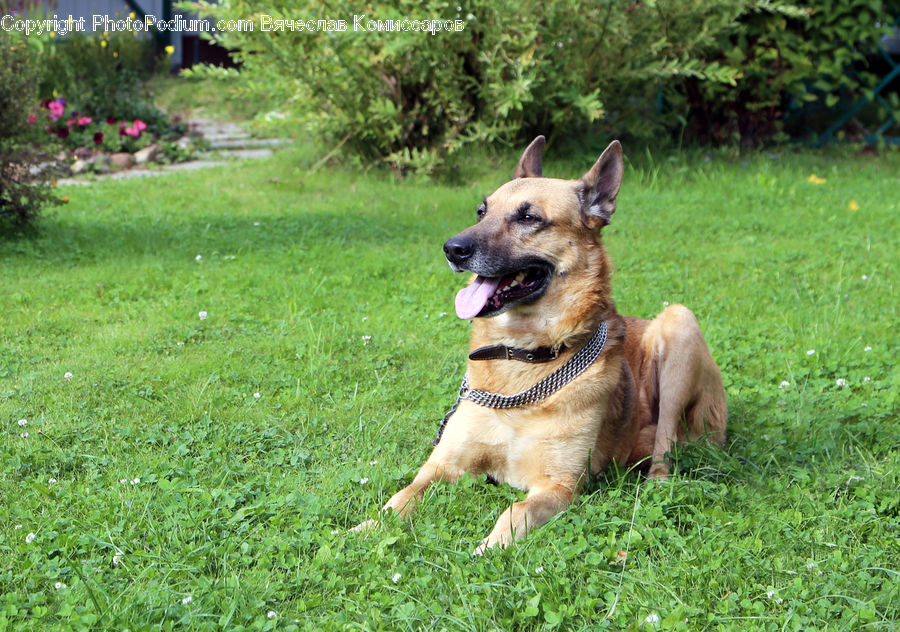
column 787, row 57
column 103, row 75
column 24, row 188
column 409, row 98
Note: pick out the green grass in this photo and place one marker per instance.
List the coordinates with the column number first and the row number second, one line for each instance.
column 242, row 502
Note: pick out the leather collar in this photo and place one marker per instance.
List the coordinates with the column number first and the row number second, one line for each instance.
column 501, row 352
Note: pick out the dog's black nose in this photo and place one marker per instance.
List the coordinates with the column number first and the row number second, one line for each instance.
column 458, row 249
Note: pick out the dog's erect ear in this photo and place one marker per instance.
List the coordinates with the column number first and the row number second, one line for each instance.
column 530, row 163
column 600, row 185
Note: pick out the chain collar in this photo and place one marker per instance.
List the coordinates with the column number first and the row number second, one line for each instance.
column 573, row 367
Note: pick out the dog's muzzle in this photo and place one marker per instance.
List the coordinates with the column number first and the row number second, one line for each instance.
column 499, row 283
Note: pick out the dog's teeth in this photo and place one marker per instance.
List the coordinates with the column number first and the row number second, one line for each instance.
column 514, row 283
column 521, row 276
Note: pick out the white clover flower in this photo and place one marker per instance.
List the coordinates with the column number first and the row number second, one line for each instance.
column 365, row 318
column 24, row 435
column 17, row 527
column 256, row 395
column 867, row 349
column 865, row 277
column 203, row 315
column 785, row 385
column 123, row 481
column 271, row 614
column 187, row 599
column 256, row 223
column 841, row 382
column 30, row 538
column 363, row 481
column 335, row 531
column 117, row 558
column 810, row 566
column 665, row 303
column 374, row 462
column 810, row 351
column 68, row 375
column 652, row 618
column 396, row 577
column 442, row 314
column 198, row 257
column 539, row 570
column 366, row 339
column 51, row 481
column 867, row 379
column 59, row 585
column 135, row 481
column 23, row 422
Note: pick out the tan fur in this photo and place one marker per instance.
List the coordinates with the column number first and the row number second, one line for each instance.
column 654, row 383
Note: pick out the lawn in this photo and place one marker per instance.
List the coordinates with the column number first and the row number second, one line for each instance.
column 222, row 371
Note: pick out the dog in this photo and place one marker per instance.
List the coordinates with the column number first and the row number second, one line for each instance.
column 542, row 313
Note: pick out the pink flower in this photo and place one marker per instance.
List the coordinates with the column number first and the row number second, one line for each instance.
column 71, row 121
column 136, row 128
column 32, row 119
column 56, row 108
column 85, row 120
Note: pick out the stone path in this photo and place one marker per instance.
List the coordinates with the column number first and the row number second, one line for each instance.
column 227, row 142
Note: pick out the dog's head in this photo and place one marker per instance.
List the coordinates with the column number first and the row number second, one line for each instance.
column 534, row 235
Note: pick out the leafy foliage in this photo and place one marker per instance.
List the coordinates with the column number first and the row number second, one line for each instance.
column 787, row 57
column 103, row 76
column 24, row 188
column 410, row 98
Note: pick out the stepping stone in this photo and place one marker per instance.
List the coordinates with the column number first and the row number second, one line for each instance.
column 249, row 142
column 247, row 153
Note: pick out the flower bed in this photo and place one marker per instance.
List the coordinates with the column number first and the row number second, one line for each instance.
column 106, row 144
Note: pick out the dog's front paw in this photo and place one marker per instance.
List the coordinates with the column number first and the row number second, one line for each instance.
column 490, row 542
column 659, row 472
column 364, row 527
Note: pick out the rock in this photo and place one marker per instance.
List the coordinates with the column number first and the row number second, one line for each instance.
column 78, row 166
column 147, row 154
column 84, row 153
column 184, row 142
column 121, row 161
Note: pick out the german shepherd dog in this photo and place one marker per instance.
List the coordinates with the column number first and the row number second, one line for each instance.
column 539, row 294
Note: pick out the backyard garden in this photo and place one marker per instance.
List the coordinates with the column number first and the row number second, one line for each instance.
column 207, row 377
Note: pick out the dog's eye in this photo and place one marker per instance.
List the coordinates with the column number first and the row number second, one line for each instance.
column 481, row 212
column 529, row 218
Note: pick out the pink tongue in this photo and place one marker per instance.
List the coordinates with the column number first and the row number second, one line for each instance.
column 471, row 300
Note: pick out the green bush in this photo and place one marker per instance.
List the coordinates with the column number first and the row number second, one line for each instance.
column 102, row 75
column 786, row 56
column 24, row 188
column 409, row 98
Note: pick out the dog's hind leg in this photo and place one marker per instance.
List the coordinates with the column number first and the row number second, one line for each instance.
column 690, row 384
